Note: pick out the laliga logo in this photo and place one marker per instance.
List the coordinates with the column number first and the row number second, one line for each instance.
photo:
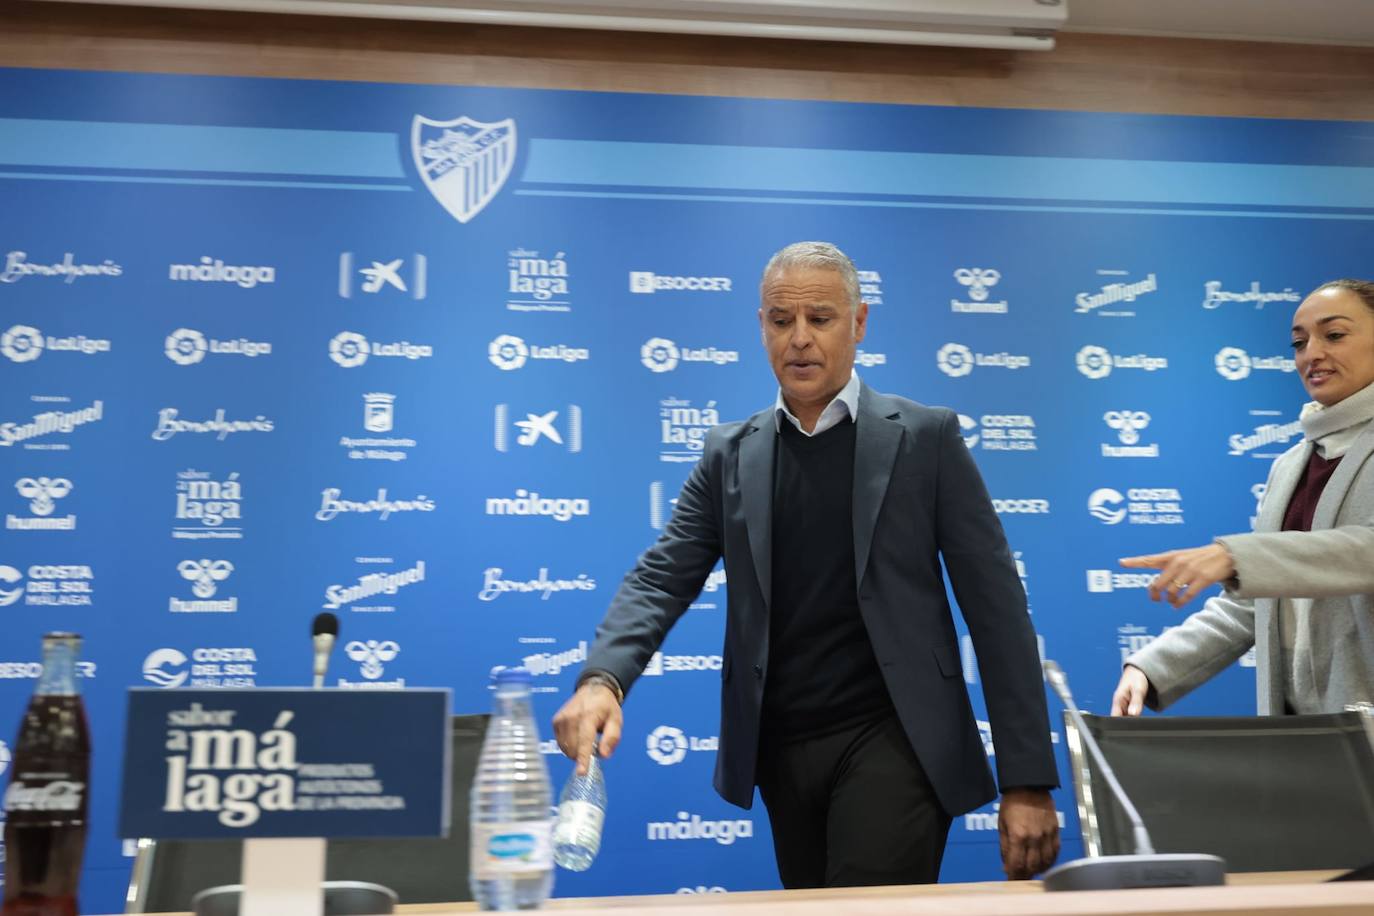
column 1233, row 363
column 186, row 347
column 978, row 280
column 508, row 352
column 1103, row 505
column 955, row 359
column 42, row 492
column 348, row 349
column 1094, row 362
column 667, row 745
column 1127, row 424
column 22, row 343
column 659, row 354
column 156, row 665
column 204, row 573
column 10, row 576
column 371, row 654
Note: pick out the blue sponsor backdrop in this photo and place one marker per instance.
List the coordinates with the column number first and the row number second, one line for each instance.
column 439, row 359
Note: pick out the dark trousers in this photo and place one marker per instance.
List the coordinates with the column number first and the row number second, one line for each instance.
column 852, row 808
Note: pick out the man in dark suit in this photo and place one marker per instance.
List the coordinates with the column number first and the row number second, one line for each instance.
column 841, row 694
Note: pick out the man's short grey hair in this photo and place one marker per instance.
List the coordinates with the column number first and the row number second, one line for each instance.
column 820, row 256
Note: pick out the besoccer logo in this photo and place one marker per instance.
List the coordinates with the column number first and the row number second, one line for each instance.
column 508, row 352
column 977, row 279
column 659, row 354
column 1233, row 363
column 1094, row 362
column 21, row 343
column 349, row 349
column 204, row 573
column 667, row 745
column 372, row 655
column 186, row 347
column 160, row 668
column 955, row 360
column 1105, row 505
column 13, row 577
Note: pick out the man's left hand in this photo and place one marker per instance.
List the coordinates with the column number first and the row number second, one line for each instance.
column 1028, row 827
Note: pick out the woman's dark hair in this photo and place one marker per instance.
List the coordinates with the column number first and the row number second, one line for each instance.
column 1362, row 288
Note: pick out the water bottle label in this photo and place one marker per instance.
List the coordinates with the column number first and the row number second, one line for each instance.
column 577, row 822
column 510, row 848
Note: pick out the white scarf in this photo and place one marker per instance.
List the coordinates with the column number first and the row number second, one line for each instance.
column 1334, row 429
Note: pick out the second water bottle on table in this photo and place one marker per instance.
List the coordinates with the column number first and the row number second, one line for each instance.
column 511, row 858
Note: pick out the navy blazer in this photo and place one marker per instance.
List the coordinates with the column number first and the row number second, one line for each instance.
column 918, row 497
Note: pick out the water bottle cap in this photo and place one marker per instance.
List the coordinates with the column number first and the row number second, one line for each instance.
column 513, row 676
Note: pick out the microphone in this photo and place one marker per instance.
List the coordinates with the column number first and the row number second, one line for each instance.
column 323, row 632
column 1145, row 868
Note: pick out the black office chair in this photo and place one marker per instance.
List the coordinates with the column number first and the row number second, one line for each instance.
column 1269, row 793
column 169, row 873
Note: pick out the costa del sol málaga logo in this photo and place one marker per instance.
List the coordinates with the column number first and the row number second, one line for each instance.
column 21, row 343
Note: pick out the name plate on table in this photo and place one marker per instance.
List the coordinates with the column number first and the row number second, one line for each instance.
column 201, row 764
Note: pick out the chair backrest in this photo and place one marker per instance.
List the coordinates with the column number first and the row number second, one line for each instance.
column 169, row 873
column 1270, row 793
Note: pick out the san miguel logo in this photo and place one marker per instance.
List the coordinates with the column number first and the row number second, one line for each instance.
column 463, row 162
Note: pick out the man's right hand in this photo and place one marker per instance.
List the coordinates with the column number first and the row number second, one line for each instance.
column 1129, row 698
column 593, row 709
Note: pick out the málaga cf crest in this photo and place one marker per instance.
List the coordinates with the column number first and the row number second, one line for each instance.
column 463, row 162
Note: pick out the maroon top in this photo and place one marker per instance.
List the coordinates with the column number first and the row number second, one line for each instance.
column 1303, row 505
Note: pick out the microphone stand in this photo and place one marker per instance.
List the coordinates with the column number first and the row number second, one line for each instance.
column 1145, row 868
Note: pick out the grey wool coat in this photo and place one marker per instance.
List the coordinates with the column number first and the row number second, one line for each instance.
column 1332, row 564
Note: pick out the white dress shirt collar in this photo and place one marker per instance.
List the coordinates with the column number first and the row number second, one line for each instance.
column 844, row 406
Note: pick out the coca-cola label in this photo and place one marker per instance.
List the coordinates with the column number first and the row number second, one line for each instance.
column 57, row 795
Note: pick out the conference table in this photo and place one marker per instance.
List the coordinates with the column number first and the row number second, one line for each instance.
column 1268, row 893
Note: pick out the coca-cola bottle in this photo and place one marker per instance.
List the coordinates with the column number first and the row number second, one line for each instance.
column 45, row 804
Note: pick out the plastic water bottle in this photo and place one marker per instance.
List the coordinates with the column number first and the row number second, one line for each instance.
column 512, row 801
column 581, row 814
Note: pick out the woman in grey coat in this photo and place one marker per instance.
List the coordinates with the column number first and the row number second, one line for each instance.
column 1300, row 587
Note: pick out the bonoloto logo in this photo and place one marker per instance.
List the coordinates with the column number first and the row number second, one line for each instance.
column 1233, row 363
column 349, row 349
column 667, row 745
column 22, row 343
column 1094, row 362
column 1104, row 504
column 508, row 352
column 954, row 360
column 659, row 354
column 161, row 668
column 185, row 346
